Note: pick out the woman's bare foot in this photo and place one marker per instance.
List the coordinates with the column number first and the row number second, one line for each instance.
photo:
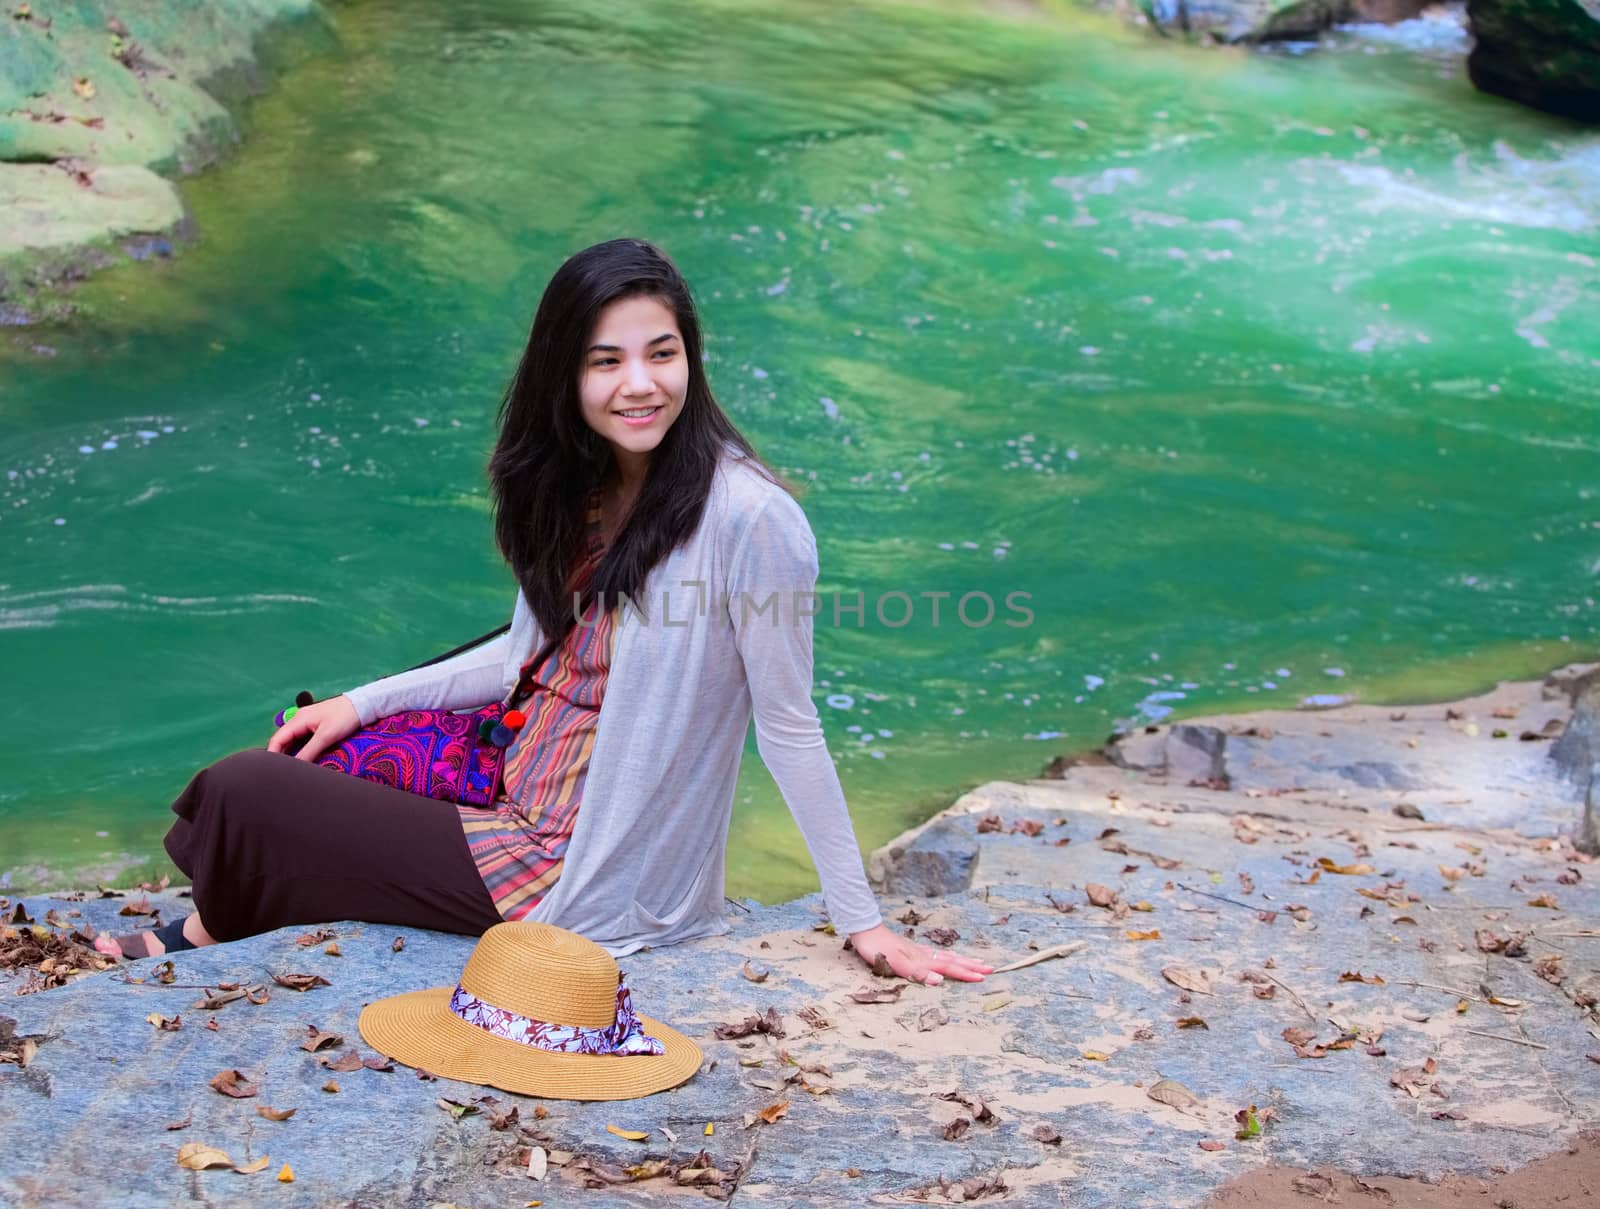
column 132, row 946
column 153, row 943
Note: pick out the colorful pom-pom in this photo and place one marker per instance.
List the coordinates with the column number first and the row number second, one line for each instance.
column 485, row 729
column 303, row 699
column 278, row 719
column 290, row 712
column 515, row 720
column 501, row 736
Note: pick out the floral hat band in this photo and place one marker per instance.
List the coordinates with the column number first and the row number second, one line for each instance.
column 536, row 1010
column 623, row 1037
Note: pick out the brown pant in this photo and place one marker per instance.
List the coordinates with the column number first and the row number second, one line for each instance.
column 271, row 841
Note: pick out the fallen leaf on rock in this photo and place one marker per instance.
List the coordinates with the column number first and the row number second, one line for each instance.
column 1356, row 976
column 162, row 1023
column 332, row 950
column 1061, row 905
column 233, row 1083
column 1328, row 866
column 1414, row 1080
column 455, row 1108
column 286, row 1174
column 252, row 1167
column 165, row 973
column 1319, row 1186
column 211, row 1025
column 301, row 982
column 814, row 1019
column 399, row 944
column 1028, row 827
column 752, row 974
column 1173, row 1094
column 956, row 1130
column 1193, row 1022
column 138, row 906
column 632, row 1135
column 1152, row 934
column 1264, row 992
column 931, row 1018
column 1570, row 877
column 331, row 1087
column 378, row 1062
column 197, row 1156
column 994, row 1005
column 769, row 1022
column 1298, row 1036
column 1187, row 977
column 881, row 967
column 990, row 822
column 1141, row 905
column 1549, row 969
column 275, row 1114
column 1547, row 901
column 187, row 1121
column 1094, row 1055
column 981, row 1112
column 257, row 995
column 1249, row 1124
column 1451, row 874
column 317, row 1039
column 878, row 994
column 1100, row 896
column 320, row 936
column 773, row 1113
column 1448, row 1114
column 345, row 1063
column 1208, row 1144
column 1046, row 1133
column 943, row 937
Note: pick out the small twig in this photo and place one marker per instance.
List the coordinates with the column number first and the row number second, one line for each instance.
column 166, row 986
column 1502, row 1037
column 1433, row 986
column 735, row 903
column 1233, row 901
column 1033, row 959
column 1586, row 934
column 1312, row 1016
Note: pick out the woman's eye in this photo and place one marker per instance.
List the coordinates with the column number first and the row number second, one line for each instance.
column 666, row 352
column 603, row 362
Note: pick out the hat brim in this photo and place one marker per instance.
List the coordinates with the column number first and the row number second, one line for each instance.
column 420, row 1030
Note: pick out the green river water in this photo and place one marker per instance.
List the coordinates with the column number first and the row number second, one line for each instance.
column 1268, row 376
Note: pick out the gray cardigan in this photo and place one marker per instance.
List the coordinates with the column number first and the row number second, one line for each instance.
column 703, row 653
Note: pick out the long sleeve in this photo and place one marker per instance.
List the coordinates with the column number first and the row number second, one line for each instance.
column 472, row 679
column 771, row 592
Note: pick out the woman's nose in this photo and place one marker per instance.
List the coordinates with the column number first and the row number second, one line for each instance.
column 639, row 380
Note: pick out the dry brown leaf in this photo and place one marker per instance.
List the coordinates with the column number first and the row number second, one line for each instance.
column 956, row 1130
column 773, row 1113
column 332, row 950
column 286, row 1174
column 162, row 1023
column 631, row 1135
column 301, row 982
column 1189, row 978
column 879, row 994
column 1193, row 1022
column 1357, row 976
column 253, row 1166
column 1152, row 934
column 1100, row 896
column 1046, row 1133
column 233, row 1083
column 1094, row 1055
column 331, row 1087
column 345, row 1063
column 197, row 1156
column 317, row 1039
column 931, row 1018
column 275, row 1114
column 378, row 1062
column 1173, row 1094
column 187, row 1121
column 1208, row 1144
column 1328, row 866
column 1547, row 901
column 943, row 937
column 320, row 936
column 752, row 974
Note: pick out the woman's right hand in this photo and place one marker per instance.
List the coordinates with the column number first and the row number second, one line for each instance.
column 322, row 725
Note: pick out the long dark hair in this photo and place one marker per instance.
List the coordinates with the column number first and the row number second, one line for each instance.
column 548, row 460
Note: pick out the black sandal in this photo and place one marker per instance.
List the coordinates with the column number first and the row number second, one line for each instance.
column 135, row 946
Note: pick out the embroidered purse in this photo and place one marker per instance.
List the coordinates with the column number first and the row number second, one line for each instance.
column 436, row 753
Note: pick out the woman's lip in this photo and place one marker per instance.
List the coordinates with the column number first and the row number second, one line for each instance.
column 640, row 420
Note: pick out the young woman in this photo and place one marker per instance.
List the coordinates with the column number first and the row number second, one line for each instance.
column 617, row 479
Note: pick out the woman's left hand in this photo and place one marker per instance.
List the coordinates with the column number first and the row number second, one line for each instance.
column 914, row 962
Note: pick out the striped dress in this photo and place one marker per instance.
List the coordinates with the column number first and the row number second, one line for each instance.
column 520, row 848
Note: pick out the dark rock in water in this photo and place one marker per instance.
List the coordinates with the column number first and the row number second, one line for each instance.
column 938, row 862
column 1543, row 53
column 1271, row 20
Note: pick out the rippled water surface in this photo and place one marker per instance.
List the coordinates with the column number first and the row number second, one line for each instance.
column 1267, row 376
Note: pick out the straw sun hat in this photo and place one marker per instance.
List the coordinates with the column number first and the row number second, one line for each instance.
column 540, row 1011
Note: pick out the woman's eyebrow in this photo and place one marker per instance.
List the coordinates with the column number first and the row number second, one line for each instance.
column 612, row 348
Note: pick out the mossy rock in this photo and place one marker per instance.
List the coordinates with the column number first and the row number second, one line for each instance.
column 1543, row 53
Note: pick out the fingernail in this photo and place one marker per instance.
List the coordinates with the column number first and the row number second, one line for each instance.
column 935, row 979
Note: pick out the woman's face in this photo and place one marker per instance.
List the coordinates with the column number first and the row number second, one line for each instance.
column 634, row 378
